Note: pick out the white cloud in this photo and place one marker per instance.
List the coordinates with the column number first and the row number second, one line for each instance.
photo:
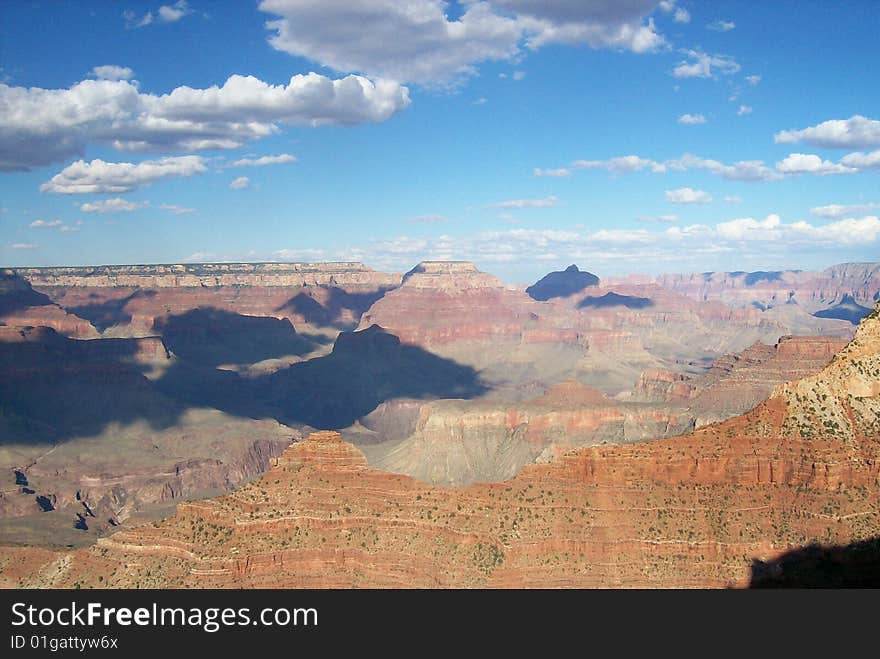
column 660, row 218
column 861, row 160
column 681, row 15
column 177, row 210
column 732, row 199
column 672, row 245
column 621, row 164
column 840, row 210
column 42, row 126
column 743, row 170
column 427, row 219
column 241, row 183
column 115, row 205
column 705, row 66
column 23, row 246
column 415, row 40
column 558, row 172
column 753, row 80
column 404, row 40
column 98, row 176
column 526, row 203
column 518, row 75
column 721, row 26
column 112, row 72
column 744, row 109
column 165, row 14
column 688, row 196
column 691, row 119
column 45, row 224
column 810, row 163
column 173, row 13
column 857, row 132
column 264, row 160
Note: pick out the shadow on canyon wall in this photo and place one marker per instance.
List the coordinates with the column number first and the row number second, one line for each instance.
column 332, row 311
column 212, row 337
column 856, row 565
column 109, row 313
column 16, row 294
column 53, row 388
column 364, row 369
column 615, row 300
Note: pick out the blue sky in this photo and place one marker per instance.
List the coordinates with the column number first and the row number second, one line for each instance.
column 637, row 136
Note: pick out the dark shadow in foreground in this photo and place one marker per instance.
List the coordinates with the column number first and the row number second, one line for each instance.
column 856, row 565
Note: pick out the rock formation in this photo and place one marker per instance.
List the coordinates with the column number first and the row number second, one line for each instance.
column 561, row 284
column 699, row 510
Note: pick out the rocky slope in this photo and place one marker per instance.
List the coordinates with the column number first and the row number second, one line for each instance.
column 86, row 433
column 699, row 510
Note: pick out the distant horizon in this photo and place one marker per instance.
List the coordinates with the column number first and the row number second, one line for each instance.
column 404, row 271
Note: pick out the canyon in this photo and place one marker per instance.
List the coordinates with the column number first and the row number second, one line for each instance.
column 712, row 508
column 126, row 390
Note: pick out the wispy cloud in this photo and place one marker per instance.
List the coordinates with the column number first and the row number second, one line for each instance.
column 688, row 196
column 240, row 183
column 526, row 203
column 262, row 161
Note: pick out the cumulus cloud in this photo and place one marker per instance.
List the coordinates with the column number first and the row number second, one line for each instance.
column 115, row 205
column 861, row 160
column 721, row 26
column 810, row 163
column 557, row 172
column 695, row 243
column 112, row 72
column 691, row 119
column 416, row 41
column 240, row 183
column 41, row 126
column 857, row 132
column 688, row 196
column 404, row 40
column 99, row 176
column 840, row 210
column 703, row 65
column 263, row 160
column 526, row 203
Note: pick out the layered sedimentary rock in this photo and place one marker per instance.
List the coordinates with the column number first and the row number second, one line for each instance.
column 22, row 306
column 737, row 382
column 811, row 290
column 288, row 275
column 135, row 301
column 458, row 442
column 699, row 510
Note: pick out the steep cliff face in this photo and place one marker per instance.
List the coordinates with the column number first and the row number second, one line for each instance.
column 22, row 306
column 133, row 301
column 691, row 511
column 288, row 275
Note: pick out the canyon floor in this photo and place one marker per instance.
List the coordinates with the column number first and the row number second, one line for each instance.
column 288, row 425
